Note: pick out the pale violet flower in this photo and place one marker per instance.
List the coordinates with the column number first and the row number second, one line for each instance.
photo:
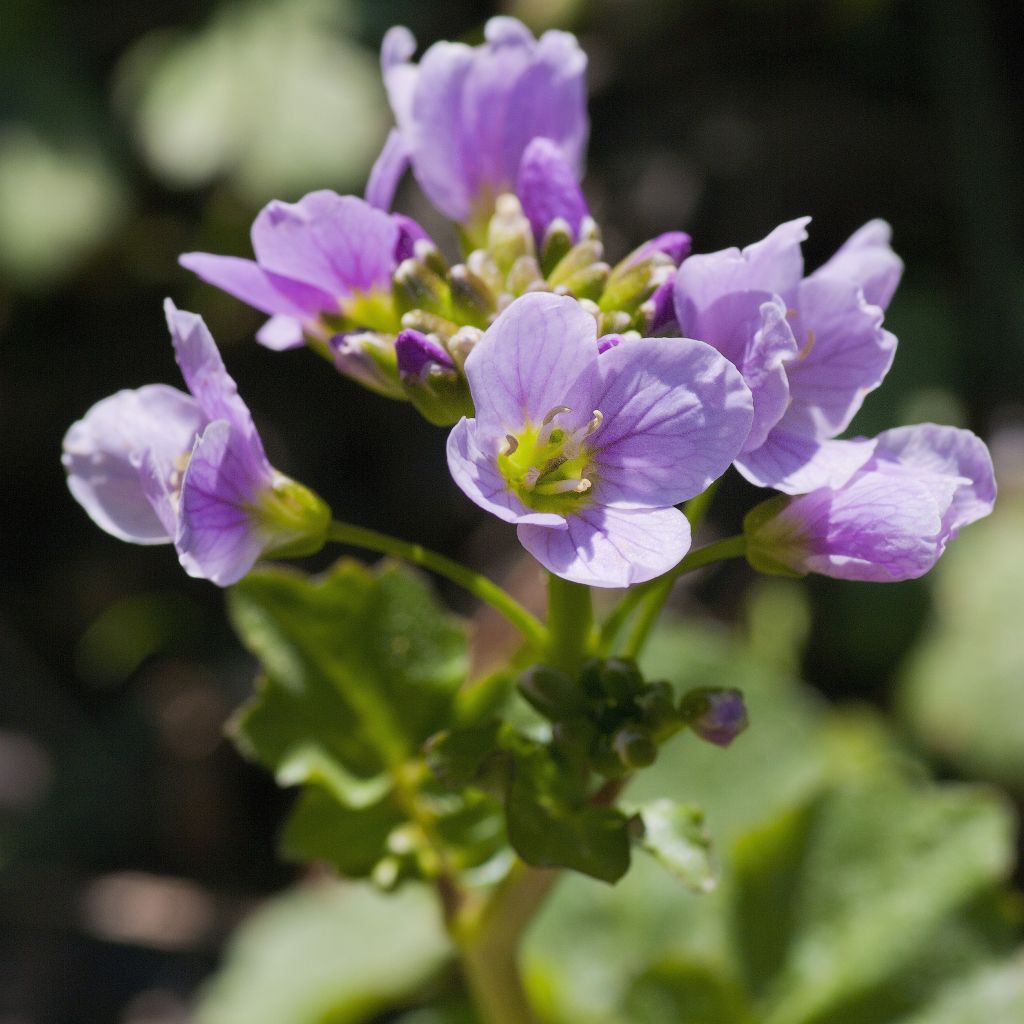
column 465, row 115
column 157, row 465
column 891, row 521
column 810, row 348
column 587, row 452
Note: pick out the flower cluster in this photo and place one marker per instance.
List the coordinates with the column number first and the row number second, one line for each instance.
column 587, row 400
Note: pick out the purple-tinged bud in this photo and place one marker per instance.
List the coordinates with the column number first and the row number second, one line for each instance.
column 548, row 190
column 417, row 355
column 715, row 715
column 676, row 245
column 430, row 378
column 368, row 358
column 659, row 310
column 409, row 233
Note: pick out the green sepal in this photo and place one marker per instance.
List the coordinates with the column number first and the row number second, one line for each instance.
column 295, row 517
column 774, row 552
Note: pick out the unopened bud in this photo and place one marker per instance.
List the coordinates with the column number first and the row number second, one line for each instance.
column 416, row 287
column 462, row 342
column 294, row 518
column 629, row 284
column 620, row 678
column 558, row 240
column 551, row 692
column 715, row 715
column 509, row 234
column 430, row 379
column 427, row 253
column 429, row 323
column 369, row 358
column 524, row 276
column 587, row 283
column 635, row 747
column 656, row 703
column 473, row 301
column 579, row 257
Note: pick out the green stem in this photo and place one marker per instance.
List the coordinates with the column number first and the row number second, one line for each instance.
column 697, row 508
column 489, row 945
column 652, row 596
column 570, row 620
column 479, row 586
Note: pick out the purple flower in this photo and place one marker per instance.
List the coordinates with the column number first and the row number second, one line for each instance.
column 465, row 115
column 322, row 263
column 549, row 191
column 893, row 518
column 156, row 466
column 715, row 715
column 809, row 348
column 588, row 453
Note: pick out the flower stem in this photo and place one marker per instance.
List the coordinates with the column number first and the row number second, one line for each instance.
column 570, row 620
column 653, row 595
column 489, row 945
column 479, row 586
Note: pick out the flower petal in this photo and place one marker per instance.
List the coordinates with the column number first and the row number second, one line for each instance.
column 941, row 456
column 104, row 450
column 280, row 333
column 867, row 258
column 541, row 352
column 796, row 464
column 606, row 547
column 387, row 171
column 547, row 188
column 846, row 355
column 676, row 414
column 218, row 537
column 475, row 470
column 247, row 281
column 205, row 375
column 338, row 244
column 775, row 264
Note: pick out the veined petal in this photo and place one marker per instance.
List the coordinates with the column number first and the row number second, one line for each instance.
column 878, row 527
column 540, row 353
column 676, row 413
column 249, row 282
column 338, row 244
column 206, row 377
column 475, row 470
column 218, row 537
column 866, row 258
column 548, row 189
column 775, row 265
column 398, row 72
column 609, row 547
column 795, row 464
column 942, row 457
column 751, row 329
column 845, row 355
column 103, row 455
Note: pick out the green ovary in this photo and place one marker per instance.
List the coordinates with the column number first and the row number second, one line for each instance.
column 549, row 467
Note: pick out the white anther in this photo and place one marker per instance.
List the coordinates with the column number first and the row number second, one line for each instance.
column 557, row 411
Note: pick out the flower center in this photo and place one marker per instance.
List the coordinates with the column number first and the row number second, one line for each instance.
column 547, row 465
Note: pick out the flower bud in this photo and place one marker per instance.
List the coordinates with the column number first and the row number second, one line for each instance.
column 509, row 234
column 295, row 519
column 715, row 715
column 368, row 358
column 430, row 379
column 416, row 287
column 579, row 257
column 462, row 342
column 635, row 747
column 473, row 302
column 558, row 240
column 427, row 253
column 551, row 692
column 621, row 679
column 524, row 275
column 656, row 703
column 587, row 283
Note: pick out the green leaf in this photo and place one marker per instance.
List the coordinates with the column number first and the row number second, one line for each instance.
column 350, row 840
column 832, row 900
column 456, row 756
column 991, row 996
column 549, row 825
column 361, row 667
column 338, row 953
column 686, row 993
column 674, row 834
column 961, row 690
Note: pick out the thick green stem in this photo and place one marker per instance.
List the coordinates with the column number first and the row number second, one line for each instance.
column 570, row 620
column 479, row 586
column 489, row 945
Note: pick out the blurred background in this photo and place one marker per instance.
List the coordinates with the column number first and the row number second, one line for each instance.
column 133, row 838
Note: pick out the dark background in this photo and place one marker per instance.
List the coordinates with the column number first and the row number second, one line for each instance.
column 722, row 118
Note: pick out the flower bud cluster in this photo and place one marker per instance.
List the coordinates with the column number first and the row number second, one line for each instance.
column 615, row 721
